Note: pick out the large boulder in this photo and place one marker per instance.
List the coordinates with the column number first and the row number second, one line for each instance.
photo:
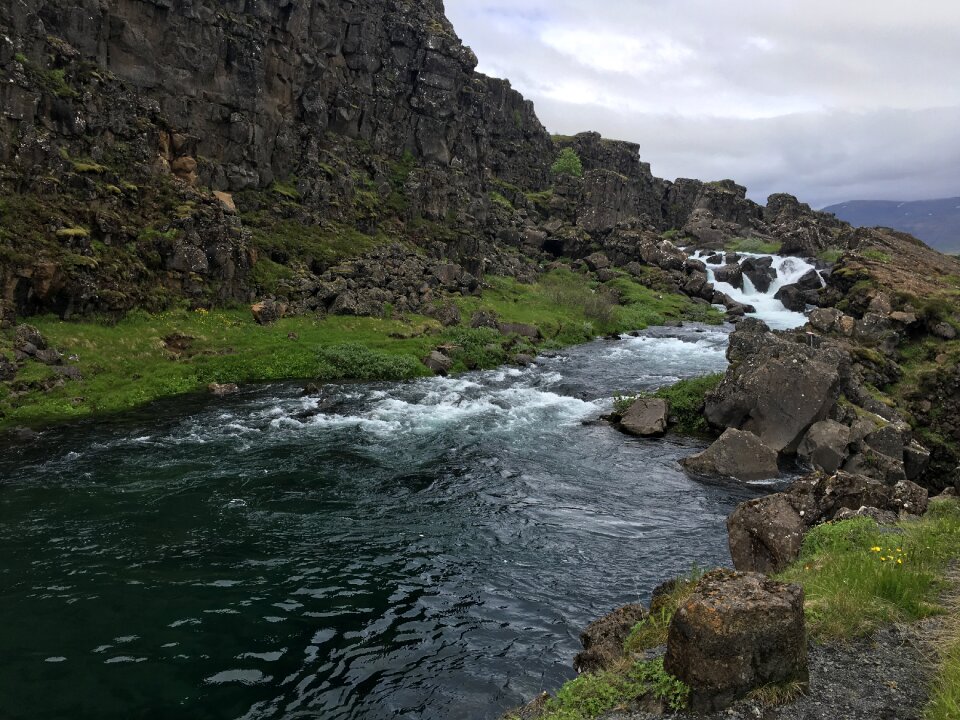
column 438, row 363
column 730, row 274
column 760, row 271
column 792, row 297
column 646, row 417
column 531, row 332
column 825, row 446
column 603, row 639
column 267, row 311
column 765, row 534
column 738, row 632
column 738, row 454
column 776, row 388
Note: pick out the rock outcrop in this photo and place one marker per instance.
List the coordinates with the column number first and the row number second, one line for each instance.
column 766, row 534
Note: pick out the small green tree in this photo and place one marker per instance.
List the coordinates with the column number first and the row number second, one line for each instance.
column 568, row 162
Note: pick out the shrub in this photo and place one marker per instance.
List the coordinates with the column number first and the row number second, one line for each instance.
column 477, row 348
column 568, row 162
column 754, row 245
column 686, row 402
column 350, row 361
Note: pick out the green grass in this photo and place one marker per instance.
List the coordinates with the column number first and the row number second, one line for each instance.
column 753, row 245
column 594, row 694
column 289, row 241
column 830, row 256
column 876, row 255
column 858, row 576
column 570, row 308
column 945, row 691
column 652, row 631
column 126, row 364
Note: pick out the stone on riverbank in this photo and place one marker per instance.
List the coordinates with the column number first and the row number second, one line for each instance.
column 438, row 363
column 825, row 445
column 737, row 454
column 736, row 633
column 765, row 534
column 646, row 417
column 603, row 639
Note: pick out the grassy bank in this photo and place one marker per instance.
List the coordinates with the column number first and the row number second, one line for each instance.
column 145, row 357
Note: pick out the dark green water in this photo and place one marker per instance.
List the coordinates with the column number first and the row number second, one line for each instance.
column 422, row 550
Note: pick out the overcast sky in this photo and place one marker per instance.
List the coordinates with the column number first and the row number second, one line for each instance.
column 829, row 100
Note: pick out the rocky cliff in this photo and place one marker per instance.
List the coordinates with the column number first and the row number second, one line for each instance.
column 152, row 150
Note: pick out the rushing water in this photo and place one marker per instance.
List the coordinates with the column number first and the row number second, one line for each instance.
column 420, row 550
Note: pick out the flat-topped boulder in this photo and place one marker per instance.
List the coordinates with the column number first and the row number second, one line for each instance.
column 736, row 633
column 646, row 417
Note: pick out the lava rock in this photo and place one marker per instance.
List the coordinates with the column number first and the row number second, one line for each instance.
column 825, row 446
column 603, row 639
column 438, row 363
column 736, row 633
column 737, row 454
column 792, row 297
column 267, row 311
column 730, row 274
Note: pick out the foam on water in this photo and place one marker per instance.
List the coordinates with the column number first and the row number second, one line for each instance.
column 768, row 308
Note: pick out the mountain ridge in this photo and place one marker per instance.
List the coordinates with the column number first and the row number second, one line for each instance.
column 936, row 222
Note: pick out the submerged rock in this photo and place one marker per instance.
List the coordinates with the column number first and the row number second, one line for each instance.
column 737, row 454
column 736, row 633
column 646, row 417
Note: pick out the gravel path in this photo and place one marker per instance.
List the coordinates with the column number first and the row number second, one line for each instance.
column 884, row 677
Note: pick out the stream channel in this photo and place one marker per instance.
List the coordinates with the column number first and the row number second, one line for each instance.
column 428, row 549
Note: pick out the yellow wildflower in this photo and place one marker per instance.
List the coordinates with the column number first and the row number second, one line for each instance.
column 876, row 548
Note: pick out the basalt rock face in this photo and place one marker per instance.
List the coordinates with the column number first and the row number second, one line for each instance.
column 161, row 149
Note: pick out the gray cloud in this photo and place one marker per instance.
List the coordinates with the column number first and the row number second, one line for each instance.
column 831, row 101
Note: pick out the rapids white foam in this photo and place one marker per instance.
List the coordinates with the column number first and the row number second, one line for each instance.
column 769, row 309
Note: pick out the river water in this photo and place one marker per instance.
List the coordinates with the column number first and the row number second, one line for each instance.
column 428, row 549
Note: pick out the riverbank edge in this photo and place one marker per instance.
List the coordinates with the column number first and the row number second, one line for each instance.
column 127, row 365
column 938, row 628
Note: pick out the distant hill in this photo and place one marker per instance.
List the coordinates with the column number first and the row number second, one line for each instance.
column 936, row 222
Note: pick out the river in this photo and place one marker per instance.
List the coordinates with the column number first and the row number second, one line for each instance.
column 428, row 549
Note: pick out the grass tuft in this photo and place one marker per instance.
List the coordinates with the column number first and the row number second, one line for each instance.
column 858, row 576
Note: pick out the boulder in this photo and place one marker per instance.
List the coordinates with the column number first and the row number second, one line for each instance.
column 738, row 632
column 760, row 272
column 730, row 274
column 776, row 388
column 8, row 371
column 438, row 363
column 646, row 417
column 825, row 445
column 448, row 315
column 792, row 297
column 523, row 330
column 737, row 454
column 26, row 336
column 810, row 280
column 874, row 464
column 881, row 517
column 267, row 311
column 603, row 639
column 825, row 319
column 222, row 390
column 597, row 261
column 48, row 356
column 765, row 534
column 915, row 460
column 715, row 259
column 524, row 360
column 484, row 319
